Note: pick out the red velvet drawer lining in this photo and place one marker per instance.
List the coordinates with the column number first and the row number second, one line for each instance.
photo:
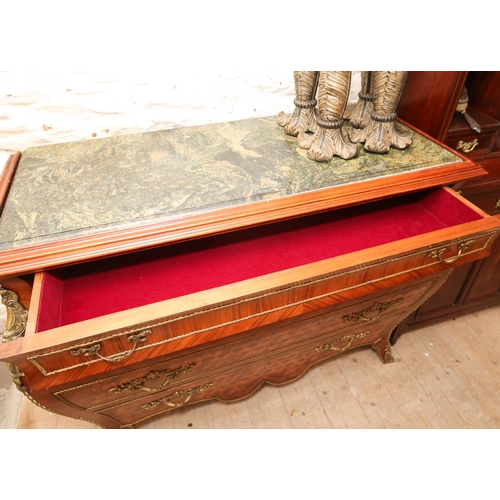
column 94, row 289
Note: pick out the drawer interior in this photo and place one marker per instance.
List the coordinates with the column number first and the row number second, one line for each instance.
column 94, row 289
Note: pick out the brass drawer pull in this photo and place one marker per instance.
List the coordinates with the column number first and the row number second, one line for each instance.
column 348, row 338
column 497, row 205
column 138, row 384
column 94, row 350
column 187, row 393
column 436, row 254
column 467, row 147
column 378, row 307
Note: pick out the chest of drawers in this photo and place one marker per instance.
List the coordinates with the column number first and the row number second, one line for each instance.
column 170, row 268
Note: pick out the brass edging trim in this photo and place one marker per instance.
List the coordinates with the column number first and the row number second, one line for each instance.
column 179, row 358
column 291, row 347
column 243, row 362
column 234, row 366
column 219, row 369
column 387, row 355
column 32, row 359
column 418, row 303
column 225, row 401
column 17, row 374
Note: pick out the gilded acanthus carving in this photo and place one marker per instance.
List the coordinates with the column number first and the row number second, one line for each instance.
column 17, row 315
column 366, row 313
column 359, row 117
column 329, row 138
column 186, row 394
column 139, row 384
column 388, row 358
column 331, row 346
column 302, row 119
column 381, row 133
column 16, row 375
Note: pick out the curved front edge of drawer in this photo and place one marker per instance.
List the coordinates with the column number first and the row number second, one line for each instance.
column 243, row 379
column 278, row 366
column 177, row 367
column 163, row 335
column 238, row 366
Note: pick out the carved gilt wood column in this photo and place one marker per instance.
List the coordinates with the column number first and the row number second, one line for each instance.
column 329, row 139
column 381, row 133
column 360, row 115
column 302, row 119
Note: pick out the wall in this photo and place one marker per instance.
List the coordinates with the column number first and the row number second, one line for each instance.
column 44, row 107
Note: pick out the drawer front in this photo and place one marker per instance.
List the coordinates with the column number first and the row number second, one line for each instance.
column 473, row 144
column 171, row 334
column 174, row 371
column 242, row 379
column 489, row 201
column 487, row 182
column 469, row 142
column 457, row 251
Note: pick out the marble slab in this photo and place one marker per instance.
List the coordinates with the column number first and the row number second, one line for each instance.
column 79, row 188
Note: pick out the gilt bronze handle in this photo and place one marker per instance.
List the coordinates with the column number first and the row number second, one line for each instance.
column 187, row 394
column 377, row 307
column 467, row 147
column 331, row 346
column 94, row 350
column 139, row 384
column 436, row 254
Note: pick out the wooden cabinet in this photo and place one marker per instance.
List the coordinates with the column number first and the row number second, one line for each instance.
column 253, row 272
column 429, row 102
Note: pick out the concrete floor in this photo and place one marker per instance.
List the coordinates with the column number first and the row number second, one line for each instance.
column 10, row 397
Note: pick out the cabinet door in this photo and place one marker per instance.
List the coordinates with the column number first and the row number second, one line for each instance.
column 485, row 287
column 468, row 287
column 429, row 100
column 446, row 300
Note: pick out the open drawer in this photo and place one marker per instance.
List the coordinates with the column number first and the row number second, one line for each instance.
column 106, row 315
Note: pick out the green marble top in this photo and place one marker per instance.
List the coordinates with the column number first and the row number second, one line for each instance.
column 79, row 188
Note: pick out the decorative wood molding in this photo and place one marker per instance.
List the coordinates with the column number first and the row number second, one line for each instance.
column 6, row 178
column 114, row 242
